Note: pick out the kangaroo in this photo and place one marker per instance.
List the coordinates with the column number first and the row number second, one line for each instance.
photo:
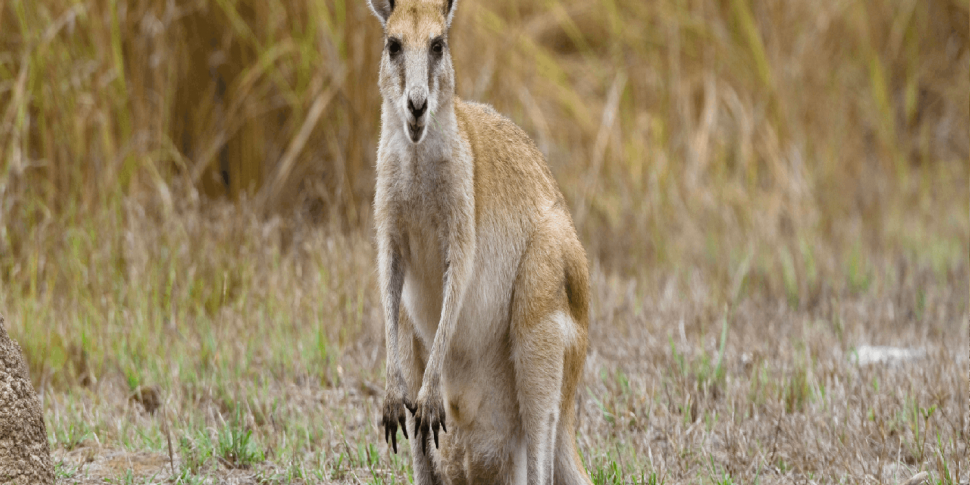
column 484, row 283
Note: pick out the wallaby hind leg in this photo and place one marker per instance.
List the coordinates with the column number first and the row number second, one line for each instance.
column 549, row 335
column 541, row 328
column 569, row 467
column 413, row 360
column 538, row 373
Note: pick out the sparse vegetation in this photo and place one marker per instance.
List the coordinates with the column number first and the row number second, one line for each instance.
column 762, row 187
column 237, row 448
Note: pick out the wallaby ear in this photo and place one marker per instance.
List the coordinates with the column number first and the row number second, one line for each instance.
column 449, row 12
column 382, row 9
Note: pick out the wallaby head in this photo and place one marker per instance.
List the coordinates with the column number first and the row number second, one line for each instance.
column 417, row 78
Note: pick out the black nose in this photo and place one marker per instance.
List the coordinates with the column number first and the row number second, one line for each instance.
column 417, row 111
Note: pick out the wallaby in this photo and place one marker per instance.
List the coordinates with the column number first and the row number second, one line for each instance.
column 484, row 282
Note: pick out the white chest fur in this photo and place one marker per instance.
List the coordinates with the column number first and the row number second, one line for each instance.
column 427, row 188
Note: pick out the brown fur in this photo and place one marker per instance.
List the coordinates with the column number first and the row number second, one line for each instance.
column 484, row 281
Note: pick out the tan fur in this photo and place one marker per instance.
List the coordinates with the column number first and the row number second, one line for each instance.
column 484, row 282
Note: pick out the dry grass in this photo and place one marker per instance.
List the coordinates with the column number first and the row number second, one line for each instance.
column 680, row 132
column 679, row 385
column 762, row 187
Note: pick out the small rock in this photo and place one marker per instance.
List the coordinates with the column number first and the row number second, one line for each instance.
column 869, row 354
column 25, row 456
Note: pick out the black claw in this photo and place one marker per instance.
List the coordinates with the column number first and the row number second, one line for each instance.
column 443, row 427
column 435, row 431
column 394, row 440
column 404, row 426
column 424, row 435
column 386, row 432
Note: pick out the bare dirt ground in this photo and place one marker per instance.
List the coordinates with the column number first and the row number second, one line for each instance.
column 677, row 390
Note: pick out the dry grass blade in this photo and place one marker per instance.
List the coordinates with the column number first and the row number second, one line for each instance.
column 769, row 190
column 286, row 164
column 918, row 479
column 598, row 152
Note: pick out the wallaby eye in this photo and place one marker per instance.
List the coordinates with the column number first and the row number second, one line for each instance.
column 393, row 47
column 437, row 47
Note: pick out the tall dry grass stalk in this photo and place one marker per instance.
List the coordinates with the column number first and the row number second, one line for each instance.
column 104, row 97
column 706, row 133
column 185, row 190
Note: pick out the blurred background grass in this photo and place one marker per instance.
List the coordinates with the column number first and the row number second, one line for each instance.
column 172, row 160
